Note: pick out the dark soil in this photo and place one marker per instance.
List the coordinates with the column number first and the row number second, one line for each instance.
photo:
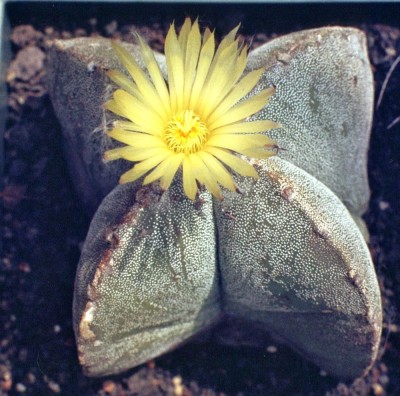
column 44, row 225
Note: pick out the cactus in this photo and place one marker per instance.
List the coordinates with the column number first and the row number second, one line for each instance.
column 287, row 253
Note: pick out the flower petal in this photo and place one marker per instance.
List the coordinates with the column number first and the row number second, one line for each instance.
column 130, row 126
column 145, row 87
column 237, row 164
column 203, row 175
column 227, row 40
column 175, row 67
column 192, row 52
column 155, row 73
column 258, row 152
column 175, row 162
column 205, row 59
column 131, row 153
column 132, row 175
column 222, row 81
column 219, row 172
column 123, row 81
column 165, row 170
column 218, row 78
column 184, row 35
column 137, row 112
column 244, row 86
column 246, row 127
column 242, row 110
column 189, row 180
column 238, row 142
column 136, row 139
column 154, row 160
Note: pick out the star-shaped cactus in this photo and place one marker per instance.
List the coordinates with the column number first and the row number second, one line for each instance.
column 286, row 254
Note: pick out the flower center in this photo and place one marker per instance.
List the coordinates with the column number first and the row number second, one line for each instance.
column 186, row 133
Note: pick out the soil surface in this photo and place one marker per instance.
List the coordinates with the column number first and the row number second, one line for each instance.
column 44, row 225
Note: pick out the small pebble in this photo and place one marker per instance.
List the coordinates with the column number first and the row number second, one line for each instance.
column 383, row 205
column 20, row 388
column 6, row 263
column 109, row 387
column 272, row 349
column 24, row 267
column 49, row 30
column 92, row 22
column 31, row 378
column 25, row 35
column 80, row 32
column 66, row 35
column 54, row 387
column 5, row 378
column 111, row 27
column 26, row 65
column 384, row 379
column 177, row 383
column 151, row 364
column 378, row 390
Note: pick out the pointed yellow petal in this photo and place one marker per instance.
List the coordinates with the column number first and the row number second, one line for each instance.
column 112, row 106
column 219, row 172
column 117, row 153
column 259, row 152
column 238, row 64
column 175, row 162
column 207, row 33
column 130, row 126
column 145, row 87
column 192, row 52
column 218, row 83
column 238, row 142
column 221, row 59
column 228, row 40
column 211, row 184
column 132, row 175
column 242, row 110
column 175, row 67
column 122, row 81
column 155, row 73
column 135, row 111
column 184, row 35
column 205, row 59
column 246, row 127
column 237, row 164
column 189, row 181
column 131, row 153
column 136, row 139
column 154, row 160
column 197, row 166
column 165, row 170
column 203, row 175
column 244, row 86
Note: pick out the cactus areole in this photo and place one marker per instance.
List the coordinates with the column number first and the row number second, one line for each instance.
column 166, row 258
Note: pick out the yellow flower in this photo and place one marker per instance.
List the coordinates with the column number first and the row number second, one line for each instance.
column 196, row 120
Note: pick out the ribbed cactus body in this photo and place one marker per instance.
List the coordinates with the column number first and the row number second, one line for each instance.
column 285, row 252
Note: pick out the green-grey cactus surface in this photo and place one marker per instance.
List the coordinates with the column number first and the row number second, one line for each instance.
column 287, row 253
